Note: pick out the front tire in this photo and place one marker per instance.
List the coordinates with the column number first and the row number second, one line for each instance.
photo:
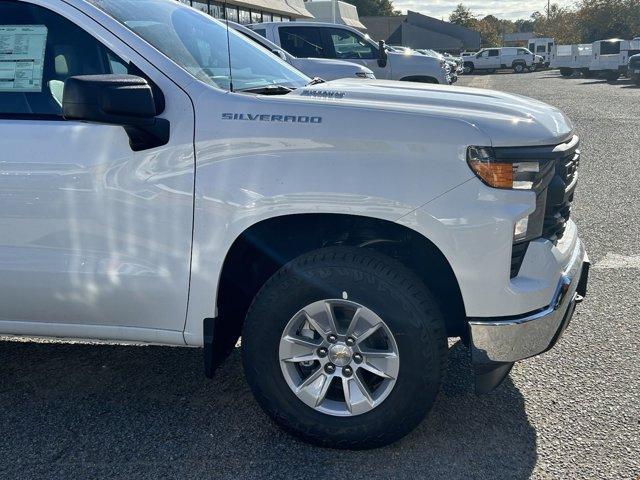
column 611, row 76
column 368, row 317
column 518, row 68
column 566, row 72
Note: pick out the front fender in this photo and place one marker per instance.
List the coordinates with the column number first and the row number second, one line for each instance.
column 247, row 171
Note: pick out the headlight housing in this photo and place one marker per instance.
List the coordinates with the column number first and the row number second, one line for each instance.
column 507, row 173
column 515, row 169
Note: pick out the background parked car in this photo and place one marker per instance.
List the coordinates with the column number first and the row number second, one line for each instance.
column 453, row 68
column 328, row 40
column 491, row 59
column 325, row 68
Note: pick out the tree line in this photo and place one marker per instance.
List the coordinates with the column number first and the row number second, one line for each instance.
column 588, row 21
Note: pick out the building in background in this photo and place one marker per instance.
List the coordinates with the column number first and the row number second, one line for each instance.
column 334, row 12
column 421, row 31
column 253, row 11
column 517, row 39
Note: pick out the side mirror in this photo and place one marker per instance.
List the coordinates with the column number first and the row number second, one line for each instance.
column 280, row 54
column 124, row 100
column 382, row 54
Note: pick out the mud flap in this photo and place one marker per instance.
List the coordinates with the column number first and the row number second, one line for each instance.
column 489, row 376
column 210, row 364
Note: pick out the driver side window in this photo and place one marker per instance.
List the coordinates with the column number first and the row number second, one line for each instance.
column 302, row 42
column 348, row 45
column 41, row 50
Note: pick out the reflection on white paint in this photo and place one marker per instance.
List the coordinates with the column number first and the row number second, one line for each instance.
column 615, row 260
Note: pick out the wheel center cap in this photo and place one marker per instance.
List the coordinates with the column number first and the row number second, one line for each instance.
column 340, row 355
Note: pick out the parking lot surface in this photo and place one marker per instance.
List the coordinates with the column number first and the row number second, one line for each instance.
column 97, row 411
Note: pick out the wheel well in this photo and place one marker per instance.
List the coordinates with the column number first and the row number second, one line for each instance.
column 268, row 245
column 419, row 79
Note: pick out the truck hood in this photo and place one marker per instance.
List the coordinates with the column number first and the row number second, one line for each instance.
column 507, row 119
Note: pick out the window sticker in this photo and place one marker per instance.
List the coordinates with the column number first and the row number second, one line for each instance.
column 22, row 57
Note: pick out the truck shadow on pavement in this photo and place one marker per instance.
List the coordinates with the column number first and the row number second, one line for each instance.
column 96, row 411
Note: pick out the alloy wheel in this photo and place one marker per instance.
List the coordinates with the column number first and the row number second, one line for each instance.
column 339, row 357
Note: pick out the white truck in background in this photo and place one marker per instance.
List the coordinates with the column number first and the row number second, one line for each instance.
column 570, row 59
column 324, row 68
column 491, row 59
column 610, row 57
column 543, row 47
column 341, row 42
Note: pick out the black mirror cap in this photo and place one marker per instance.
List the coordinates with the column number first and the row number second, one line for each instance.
column 382, row 54
column 125, row 100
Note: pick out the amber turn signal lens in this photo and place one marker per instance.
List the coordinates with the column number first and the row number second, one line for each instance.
column 497, row 175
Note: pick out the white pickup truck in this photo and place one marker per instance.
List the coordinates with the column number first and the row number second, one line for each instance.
column 491, row 59
column 324, row 68
column 157, row 189
column 328, row 40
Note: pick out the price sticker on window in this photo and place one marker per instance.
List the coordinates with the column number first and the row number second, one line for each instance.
column 22, row 50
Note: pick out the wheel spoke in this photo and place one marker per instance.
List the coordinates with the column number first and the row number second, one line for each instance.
column 383, row 365
column 314, row 389
column 297, row 349
column 367, row 333
column 362, row 326
column 356, row 395
column 320, row 316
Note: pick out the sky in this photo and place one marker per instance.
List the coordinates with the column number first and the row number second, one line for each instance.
column 509, row 9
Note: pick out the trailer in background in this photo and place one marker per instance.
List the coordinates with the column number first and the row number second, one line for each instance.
column 542, row 47
column 610, row 57
column 572, row 58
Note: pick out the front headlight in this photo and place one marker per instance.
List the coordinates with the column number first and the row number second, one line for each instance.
column 365, row 75
column 517, row 169
column 503, row 172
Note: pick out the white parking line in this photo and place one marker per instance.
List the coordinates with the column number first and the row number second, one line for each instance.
column 615, row 260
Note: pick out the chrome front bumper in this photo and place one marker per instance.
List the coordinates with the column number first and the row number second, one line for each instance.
column 497, row 343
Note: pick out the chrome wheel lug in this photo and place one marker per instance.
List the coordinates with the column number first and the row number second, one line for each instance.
column 350, row 341
column 347, row 371
column 330, row 368
column 357, row 358
column 322, row 352
column 331, row 338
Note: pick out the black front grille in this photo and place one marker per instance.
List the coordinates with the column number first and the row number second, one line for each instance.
column 559, row 193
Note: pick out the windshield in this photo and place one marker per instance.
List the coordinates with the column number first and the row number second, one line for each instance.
column 198, row 44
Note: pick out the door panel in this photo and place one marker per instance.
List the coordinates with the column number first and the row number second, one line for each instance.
column 92, row 233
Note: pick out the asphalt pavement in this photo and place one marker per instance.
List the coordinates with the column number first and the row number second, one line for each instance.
column 72, row 410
